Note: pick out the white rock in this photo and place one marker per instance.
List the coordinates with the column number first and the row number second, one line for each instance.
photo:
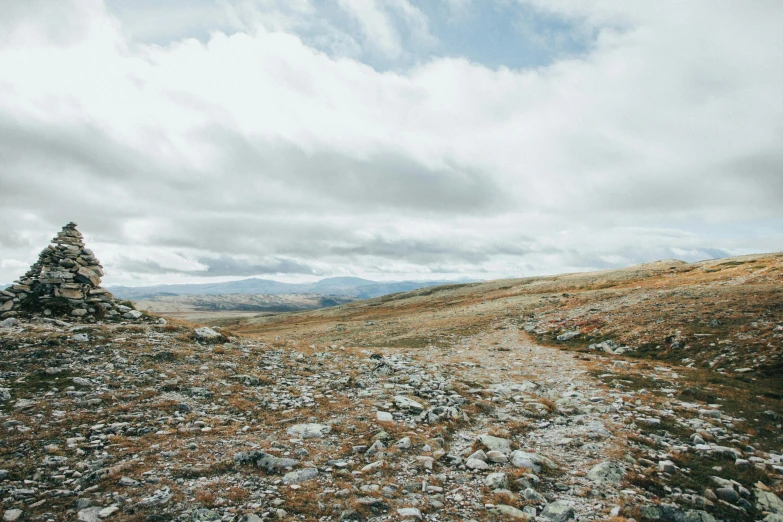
column 384, row 416
column 409, row 512
column 309, row 431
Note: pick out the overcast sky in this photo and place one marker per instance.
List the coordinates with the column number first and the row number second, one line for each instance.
column 197, row 140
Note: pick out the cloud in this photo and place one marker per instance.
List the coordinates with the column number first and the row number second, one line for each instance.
column 251, row 150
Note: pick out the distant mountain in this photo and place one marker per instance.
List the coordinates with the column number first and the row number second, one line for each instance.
column 354, row 287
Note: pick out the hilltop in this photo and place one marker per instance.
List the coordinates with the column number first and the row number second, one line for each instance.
column 649, row 393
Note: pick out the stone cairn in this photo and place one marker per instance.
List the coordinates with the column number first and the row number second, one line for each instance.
column 64, row 281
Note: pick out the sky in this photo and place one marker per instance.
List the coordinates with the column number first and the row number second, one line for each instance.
column 207, row 140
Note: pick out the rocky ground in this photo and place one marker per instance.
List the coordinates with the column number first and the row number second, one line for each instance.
column 449, row 404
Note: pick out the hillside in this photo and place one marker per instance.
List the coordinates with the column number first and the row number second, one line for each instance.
column 456, row 402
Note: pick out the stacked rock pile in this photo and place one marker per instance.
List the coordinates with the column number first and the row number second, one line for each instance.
column 64, row 281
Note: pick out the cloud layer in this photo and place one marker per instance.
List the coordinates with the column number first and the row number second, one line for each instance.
column 265, row 147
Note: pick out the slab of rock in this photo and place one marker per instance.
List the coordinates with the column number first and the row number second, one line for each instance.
column 309, row 431
column 406, row 403
column 509, row 511
column 496, row 480
column 607, row 472
column 768, row 501
column 492, row 443
column 12, row 515
column 409, row 512
column 558, row 511
column 300, row 475
column 206, row 334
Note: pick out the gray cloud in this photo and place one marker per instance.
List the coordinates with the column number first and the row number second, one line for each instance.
column 252, row 153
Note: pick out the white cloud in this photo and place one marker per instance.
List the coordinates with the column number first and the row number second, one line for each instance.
column 663, row 139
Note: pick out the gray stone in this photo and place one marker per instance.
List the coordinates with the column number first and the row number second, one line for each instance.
column 406, row 403
column 768, row 501
column 509, row 511
column 79, row 312
column 206, row 334
column 492, row 443
column 12, row 515
column 558, row 511
column 535, row 496
column 384, row 416
column 133, row 314
column 567, row 336
column 496, row 480
column 8, row 323
column 606, row 473
column 300, row 475
column 409, row 512
column 727, row 494
column 476, row 464
column 89, row 514
column 309, row 431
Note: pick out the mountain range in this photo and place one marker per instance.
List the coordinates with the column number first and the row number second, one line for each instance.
column 354, row 287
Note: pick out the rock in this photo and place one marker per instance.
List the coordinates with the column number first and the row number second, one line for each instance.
column 309, row 431
column 13, row 515
column 493, row 443
column 159, row 497
column 300, row 475
column 667, row 466
column 558, row 511
column 5, row 394
column 8, row 323
column 509, row 511
column 406, row 403
column 89, row 514
column 534, row 496
column 409, row 512
column 773, row 518
column 727, row 494
column 384, row 416
column 533, row 461
column 476, row 464
column 133, row 314
column 673, row 513
column 606, row 473
column 79, row 312
column 497, row 457
column 403, row 443
column 567, row 336
column 768, row 501
column 107, row 512
column 598, row 428
column 207, row 334
column 496, row 480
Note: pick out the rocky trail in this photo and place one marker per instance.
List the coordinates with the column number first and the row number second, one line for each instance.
column 143, row 420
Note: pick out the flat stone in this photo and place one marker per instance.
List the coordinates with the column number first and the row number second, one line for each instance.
column 12, row 515
column 768, row 501
column 309, row 431
column 409, row 512
column 133, row 314
column 496, row 480
column 406, row 403
column 476, row 464
column 492, row 443
column 384, row 416
column 509, row 511
column 89, row 514
column 606, row 473
column 558, row 511
column 206, row 334
column 300, row 475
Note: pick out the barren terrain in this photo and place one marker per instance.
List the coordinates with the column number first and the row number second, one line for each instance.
column 651, row 393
